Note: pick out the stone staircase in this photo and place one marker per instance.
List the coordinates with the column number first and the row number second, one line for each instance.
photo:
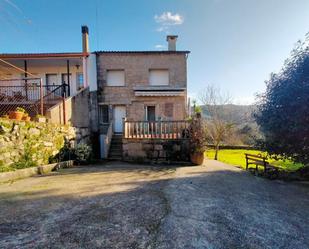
column 115, row 150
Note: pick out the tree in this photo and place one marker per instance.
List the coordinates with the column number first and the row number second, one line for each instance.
column 217, row 128
column 283, row 110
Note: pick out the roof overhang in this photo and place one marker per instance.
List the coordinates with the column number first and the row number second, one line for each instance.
column 158, row 91
column 43, row 55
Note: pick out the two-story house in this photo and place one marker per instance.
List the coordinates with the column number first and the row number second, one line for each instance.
column 141, row 86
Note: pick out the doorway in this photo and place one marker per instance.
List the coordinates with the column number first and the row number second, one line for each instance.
column 119, row 115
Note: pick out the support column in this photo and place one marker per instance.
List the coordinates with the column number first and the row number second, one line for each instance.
column 26, row 76
column 68, row 77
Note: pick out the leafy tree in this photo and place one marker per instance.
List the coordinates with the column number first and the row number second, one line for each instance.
column 283, row 110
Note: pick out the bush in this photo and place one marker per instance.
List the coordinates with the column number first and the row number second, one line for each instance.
column 283, row 111
column 83, row 153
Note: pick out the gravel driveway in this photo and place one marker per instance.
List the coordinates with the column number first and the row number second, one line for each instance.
column 118, row 205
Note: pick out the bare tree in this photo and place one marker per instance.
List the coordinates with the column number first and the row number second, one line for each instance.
column 217, row 128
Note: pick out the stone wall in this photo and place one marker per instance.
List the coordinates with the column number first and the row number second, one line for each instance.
column 160, row 150
column 76, row 110
column 34, row 143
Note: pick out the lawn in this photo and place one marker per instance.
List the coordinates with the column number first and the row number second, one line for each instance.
column 237, row 157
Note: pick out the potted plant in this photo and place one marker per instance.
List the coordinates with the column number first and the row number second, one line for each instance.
column 40, row 118
column 197, row 138
column 26, row 117
column 17, row 114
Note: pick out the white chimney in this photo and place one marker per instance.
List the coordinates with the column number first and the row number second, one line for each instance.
column 171, row 39
column 85, row 32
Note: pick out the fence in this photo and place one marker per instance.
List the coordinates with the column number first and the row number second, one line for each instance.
column 30, row 94
column 156, row 129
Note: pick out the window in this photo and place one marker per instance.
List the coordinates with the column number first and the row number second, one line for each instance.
column 150, row 113
column 51, row 79
column 158, row 77
column 103, row 114
column 79, row 81
column 115, row 78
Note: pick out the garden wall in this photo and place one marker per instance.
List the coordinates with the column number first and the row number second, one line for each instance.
column 28, row 144
column 161, row 150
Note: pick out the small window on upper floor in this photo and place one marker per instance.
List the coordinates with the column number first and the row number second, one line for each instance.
column 115, row 78
column 158, row 77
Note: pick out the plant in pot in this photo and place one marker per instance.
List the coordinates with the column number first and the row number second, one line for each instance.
column 40, row 118
column 197, row 139
column 26, row 117
column 17, row 114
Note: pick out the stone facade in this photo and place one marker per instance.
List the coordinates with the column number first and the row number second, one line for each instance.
column 35, row 143
column 136, row 66
column 155, row 150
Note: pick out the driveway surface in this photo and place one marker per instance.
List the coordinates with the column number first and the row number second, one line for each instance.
column 118, row 205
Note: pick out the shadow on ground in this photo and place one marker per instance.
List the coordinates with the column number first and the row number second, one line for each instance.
column 135, row 206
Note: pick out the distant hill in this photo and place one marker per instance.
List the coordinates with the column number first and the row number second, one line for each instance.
column 236, row 114
column 245, row 129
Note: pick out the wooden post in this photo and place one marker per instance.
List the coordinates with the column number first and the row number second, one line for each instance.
column 41, row 98
column 26, row 76
column 246, row 162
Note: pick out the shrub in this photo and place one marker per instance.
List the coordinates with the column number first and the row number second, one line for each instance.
column 83, row 153
column 20, row 109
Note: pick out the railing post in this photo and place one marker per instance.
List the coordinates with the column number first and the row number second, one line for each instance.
column 41, row 98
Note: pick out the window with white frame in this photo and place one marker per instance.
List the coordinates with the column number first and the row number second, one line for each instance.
column 158, row 77
column 79, row 81
column 115, row 78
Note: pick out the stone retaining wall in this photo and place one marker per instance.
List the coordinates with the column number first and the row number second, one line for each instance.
column 28, row 144
column 23, row 173
column 155, row 150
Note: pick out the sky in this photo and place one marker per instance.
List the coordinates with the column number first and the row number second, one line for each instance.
column 234, row 44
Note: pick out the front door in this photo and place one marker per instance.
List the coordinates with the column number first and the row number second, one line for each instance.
column 119, row 115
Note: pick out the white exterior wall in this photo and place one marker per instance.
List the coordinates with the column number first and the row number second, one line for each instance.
column 92, row 72
column 41, row 71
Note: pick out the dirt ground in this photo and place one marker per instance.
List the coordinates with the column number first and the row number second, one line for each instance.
column 119, row 205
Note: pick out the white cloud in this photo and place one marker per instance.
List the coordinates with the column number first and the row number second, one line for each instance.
column 159, row 46
column 167, row 19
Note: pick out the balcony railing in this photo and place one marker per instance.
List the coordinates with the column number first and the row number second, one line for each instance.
column 156, row 129
column 29, row 94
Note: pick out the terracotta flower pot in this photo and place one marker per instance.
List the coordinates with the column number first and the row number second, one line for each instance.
column 26, row 118
column 16, row 115
column 197, row 158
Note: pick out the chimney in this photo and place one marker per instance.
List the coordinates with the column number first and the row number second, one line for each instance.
column 85, row 39
column 171, row 39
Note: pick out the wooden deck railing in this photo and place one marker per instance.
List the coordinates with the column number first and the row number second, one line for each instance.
column 156, row 129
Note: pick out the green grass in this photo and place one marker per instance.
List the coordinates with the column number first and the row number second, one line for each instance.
column 237, row 158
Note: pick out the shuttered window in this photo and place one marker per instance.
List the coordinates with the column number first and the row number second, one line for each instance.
column 115, row 78
column 169, row 110
column 158, row 77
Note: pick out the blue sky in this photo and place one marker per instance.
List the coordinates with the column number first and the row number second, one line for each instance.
column 234, row 44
